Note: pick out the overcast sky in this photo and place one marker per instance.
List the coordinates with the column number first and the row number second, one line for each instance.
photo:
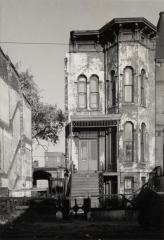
column 51, row 21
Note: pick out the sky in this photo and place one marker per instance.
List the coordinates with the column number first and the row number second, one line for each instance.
column 48, row 21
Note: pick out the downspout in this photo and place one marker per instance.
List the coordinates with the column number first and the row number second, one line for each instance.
column 118, row 101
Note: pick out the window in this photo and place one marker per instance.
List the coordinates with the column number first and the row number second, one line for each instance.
column 128, row 84
column 113, row 88
column 94, row 92
column 129, row 141
column 143, row 87
column 143, row 141
column 84, row 150
column 143, row 180
column 129, row 185
column 82, row 92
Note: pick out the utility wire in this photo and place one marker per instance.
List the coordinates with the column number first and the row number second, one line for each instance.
column 34, row 43
column 42, row 43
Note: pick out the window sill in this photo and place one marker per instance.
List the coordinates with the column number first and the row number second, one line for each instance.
column 88, row 110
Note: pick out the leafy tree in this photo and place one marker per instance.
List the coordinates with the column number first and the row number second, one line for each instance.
column 47, row 119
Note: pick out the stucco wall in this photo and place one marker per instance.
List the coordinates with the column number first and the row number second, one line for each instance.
column 160, row 113
column 86, row 64
column 15, row 132
column 138, row 57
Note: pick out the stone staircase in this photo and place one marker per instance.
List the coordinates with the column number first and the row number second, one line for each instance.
column 85, row 184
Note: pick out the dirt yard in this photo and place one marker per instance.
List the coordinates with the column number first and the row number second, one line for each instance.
column 44, row 226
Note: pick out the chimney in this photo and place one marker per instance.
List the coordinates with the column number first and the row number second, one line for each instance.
column 160, row 37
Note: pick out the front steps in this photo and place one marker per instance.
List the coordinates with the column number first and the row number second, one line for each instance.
column 84, row 185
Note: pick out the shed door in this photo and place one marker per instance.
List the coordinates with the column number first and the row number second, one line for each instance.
column 88, row 155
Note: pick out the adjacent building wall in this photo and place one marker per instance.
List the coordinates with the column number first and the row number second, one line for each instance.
column 15, row 132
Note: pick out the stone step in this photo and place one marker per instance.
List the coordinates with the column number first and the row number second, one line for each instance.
column 76, row 185
column 85, row 189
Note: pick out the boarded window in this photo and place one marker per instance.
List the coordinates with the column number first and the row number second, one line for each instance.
column 94, row 92
column 128, row 84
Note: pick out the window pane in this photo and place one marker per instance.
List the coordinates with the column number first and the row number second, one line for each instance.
column 128, row 131
column 128, row 94
column 94, row 84
column 142, row 87
column 143, row 180
column 82, row 87
column 129, row 151
column 128, row 76
column 113, row 93
column 83, row 150
column 82, row 101
column 142, row 96
column 129, row 185
column 94, row 100
column 143, row 141
column 102, row 153
column 92, row 147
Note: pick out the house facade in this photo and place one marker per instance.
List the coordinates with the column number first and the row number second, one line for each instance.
column 110, row 104
column 15, row 134
column 159, row 60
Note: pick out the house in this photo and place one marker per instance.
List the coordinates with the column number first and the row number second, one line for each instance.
column 159, row 60
column 110, row 104
column 15, row 134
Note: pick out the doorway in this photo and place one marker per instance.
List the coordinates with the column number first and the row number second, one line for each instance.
column 88, row 155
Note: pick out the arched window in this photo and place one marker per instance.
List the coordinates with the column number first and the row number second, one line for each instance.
column 143, row 87
column 129, row 141
column 94, row 92
column 113, row 81
column 128, row 85
column 82, row 92
column 143, row 141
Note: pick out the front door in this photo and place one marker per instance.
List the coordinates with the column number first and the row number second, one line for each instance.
column 88, row 155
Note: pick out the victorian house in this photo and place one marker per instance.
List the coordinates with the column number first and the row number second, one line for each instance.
column 110, row 104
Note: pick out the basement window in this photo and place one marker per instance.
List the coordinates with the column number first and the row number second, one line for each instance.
column 129, row 185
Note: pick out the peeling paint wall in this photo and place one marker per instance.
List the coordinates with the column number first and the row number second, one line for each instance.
column 124, row 45
column 138, row 57
column 160, row 114
column 86, row 64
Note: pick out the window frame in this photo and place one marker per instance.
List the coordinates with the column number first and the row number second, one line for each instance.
column 113, row 82
column 129, row 190
column 129, row 142
column 131, row 86
column 93, row 93
column 142, row 87
column 82, row 93
column 143, row 142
